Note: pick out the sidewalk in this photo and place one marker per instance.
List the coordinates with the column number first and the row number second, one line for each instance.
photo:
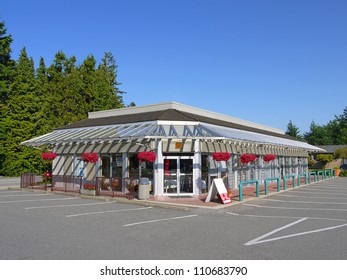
column 199, row 201
column 181, row 202
column 216, row 203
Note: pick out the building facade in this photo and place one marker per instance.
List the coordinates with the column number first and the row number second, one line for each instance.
column 183, row 139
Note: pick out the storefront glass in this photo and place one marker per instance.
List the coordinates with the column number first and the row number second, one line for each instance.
column 178, row 175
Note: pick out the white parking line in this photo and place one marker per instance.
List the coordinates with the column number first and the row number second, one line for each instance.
column 325, row 188
column 320, row 192
column 107, row 211
column 21, row 195
column 262, row 240
column 68, row 205
column 294, row 208
column 318, row 197
column 160, row 220
column 256, row 240
column 284, row 217
column 306, row 202
column 35, row 200
column 6, row 191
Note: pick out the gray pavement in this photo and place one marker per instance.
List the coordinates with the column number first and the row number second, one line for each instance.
column 309, row 222
column 9, row 182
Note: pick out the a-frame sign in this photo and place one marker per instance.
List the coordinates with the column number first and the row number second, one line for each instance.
column 218, row 187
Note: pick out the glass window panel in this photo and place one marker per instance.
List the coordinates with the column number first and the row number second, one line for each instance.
column 117, row 165
column 105, row 166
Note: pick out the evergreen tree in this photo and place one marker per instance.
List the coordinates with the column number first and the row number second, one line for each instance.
column 6, row 68
column 108, row 95
column 337, row 132
column 88, row 79
column 71, row 91
column 132, row 104
column 21, row 119
column 53, row 107
column 41, row 92
column 318, row 135
column 293, row 130
column 38, row 101
column 339, row 128
column 6, row 63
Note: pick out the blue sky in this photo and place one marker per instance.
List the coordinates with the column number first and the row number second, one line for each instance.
column 266, row 61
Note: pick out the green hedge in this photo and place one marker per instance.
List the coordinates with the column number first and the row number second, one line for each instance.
column 343, row 173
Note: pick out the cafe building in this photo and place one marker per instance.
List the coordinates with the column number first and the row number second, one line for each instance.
column 182, row 140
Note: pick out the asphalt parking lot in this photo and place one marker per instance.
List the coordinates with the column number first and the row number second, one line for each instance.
column 309, row 222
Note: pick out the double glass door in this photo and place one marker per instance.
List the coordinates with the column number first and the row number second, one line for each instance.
column 178, row 175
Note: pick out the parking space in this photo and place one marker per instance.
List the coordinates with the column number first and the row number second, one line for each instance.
column 61, row 206
column 37, row 225
column 311, row 219
column 308, row 210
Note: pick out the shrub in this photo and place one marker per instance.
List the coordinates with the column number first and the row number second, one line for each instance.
column 341, row 153
column 343, row 173
column 324, row 158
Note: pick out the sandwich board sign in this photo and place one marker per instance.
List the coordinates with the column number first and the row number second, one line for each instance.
column 218, row 187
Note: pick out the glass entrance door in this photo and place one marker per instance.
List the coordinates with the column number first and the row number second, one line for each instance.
column 178, row 175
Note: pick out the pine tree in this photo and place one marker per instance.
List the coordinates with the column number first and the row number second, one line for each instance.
column 88, row 79
column 53, row 93
column 108, row 95
column 338, row 128
column 6, row 68
column 318, row 135
column 293, row 130
column 21, row 119
column 39, row 101
column 41, row 93
column 6, row 63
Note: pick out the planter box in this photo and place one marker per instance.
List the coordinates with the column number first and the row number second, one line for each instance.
column 87, row 192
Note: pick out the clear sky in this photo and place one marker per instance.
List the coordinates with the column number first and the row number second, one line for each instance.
column 266, row 61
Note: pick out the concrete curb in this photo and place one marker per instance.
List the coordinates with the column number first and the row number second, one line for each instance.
column 163, row 204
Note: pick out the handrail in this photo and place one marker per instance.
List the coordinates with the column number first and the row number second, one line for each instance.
column 285, row 181
column 266, row 182
column 248, row 182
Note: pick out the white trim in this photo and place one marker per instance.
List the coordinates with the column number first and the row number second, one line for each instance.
column 177, row 123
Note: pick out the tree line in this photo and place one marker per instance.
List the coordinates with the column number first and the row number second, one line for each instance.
column 35, row 100
column 332, row 133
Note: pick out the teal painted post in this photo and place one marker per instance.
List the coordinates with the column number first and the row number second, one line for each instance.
column 272, row 179
column 328, row 173
column 248, row 182
column 278, row 185
column 285, row 181
column 302, row 175
column 266, row 186
column 257, row 188
column 320, row 172
column 314, row 176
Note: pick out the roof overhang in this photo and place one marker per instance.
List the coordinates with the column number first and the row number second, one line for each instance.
column 162, row 130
